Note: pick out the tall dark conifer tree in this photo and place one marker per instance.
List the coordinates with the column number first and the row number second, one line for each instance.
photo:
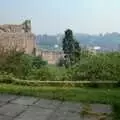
column 71, row 48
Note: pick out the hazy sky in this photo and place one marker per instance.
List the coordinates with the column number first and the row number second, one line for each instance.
column 54, row 16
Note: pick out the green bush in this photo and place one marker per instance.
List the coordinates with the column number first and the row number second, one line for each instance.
column 42, row 74
column 103, row 66
column 38, row 62
column 116, row 110
column 18, row 63
column 6, row 78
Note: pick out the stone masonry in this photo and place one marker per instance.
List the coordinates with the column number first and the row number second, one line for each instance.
column 52, row 57
column 21, row 37
column 18, row 36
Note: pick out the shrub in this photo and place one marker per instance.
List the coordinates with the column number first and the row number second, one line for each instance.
column 103, row 66
column 38, row 62
column 116, row 110
column 18, row 63
column 42, row 74
column 6, row 77
column 14, row 62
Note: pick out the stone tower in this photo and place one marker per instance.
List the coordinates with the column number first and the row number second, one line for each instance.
column 18, row 36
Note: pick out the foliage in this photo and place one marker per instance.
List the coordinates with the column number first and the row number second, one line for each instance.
column 38, row 62
column 60, row 62
column 42, row 74
column 71, row 49
column 18, row 63
column 116, row 110
column 103, row 66
column 15, row 62
column 58, row 72
column 6, row 78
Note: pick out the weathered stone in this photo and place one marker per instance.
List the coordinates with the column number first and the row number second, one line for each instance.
column 7, row 98
column 90, row 117
column 101, row 108
column 2, row 103
column 25, row 27
column 61, row 115
column 87, row 117
column 70, row 107
column 51, row 104
column 47, row 109
column 18, row 36
column 5, row 117
column 35, row 113
column 74, row 118
column 21, row 38
column 51, row 56
column 58, row 118
column 25, row 100
column 12, row 109
column 58, row 115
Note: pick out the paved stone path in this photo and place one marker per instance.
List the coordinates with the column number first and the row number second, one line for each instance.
column 29, row 108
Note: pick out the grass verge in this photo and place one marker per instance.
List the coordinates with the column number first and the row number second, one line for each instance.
column 66, row 93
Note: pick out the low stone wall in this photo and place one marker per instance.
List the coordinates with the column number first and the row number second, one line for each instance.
column 51, row 56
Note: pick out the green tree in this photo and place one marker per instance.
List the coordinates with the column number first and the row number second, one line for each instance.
column 38, row 62
column 71, row 49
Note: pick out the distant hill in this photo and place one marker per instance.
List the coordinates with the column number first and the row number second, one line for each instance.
column 108, row 41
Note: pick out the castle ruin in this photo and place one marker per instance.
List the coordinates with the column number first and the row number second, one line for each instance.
column 18, row 36
column 21, row 38
column 52, row 57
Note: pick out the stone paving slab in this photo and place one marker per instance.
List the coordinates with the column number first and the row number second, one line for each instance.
column 30, row 108
column 5, row 117
column 25, row 100
column 59, row 115
column 50, row 104
column 101, row 108
column 74, row 116
column 2, row 103
column 70, row 107
column 7, row 98
column 35, row 113
column 91, row 118
column 12, row 109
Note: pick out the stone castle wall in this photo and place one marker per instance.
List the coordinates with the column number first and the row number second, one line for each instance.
column 51, row 57
column 20, row 37
column 19, row 41
column 11, row 28
column 17, row 36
